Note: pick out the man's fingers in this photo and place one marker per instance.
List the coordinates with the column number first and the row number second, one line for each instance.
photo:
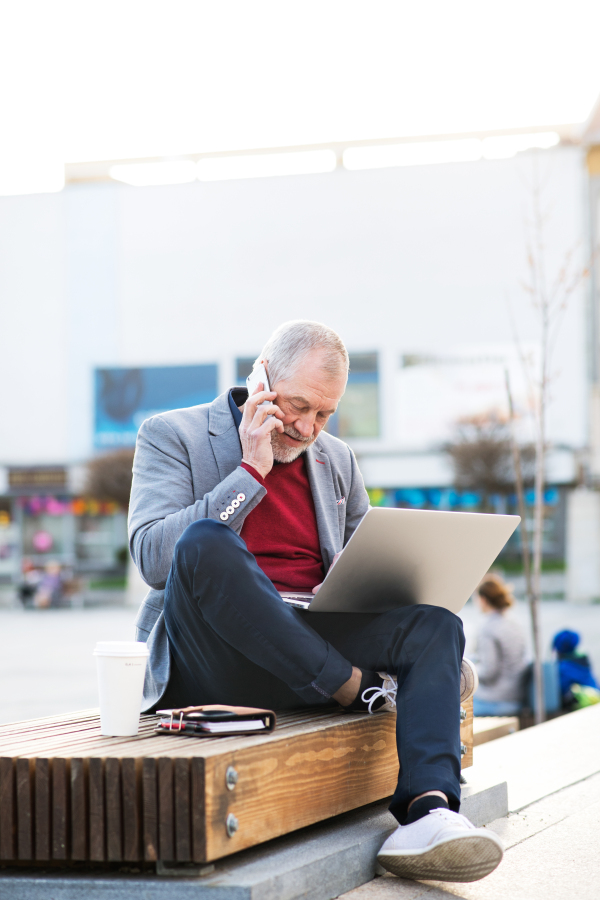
column 258, row 397
column 316, row 588
column 263, row 412
column 267, row 426
column 253, row 403
column 260, row 416
column 265, row 429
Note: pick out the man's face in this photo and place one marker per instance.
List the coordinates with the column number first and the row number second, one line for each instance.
column 307, row 399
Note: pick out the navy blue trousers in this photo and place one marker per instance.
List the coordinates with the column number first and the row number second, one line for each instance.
column 233, row 640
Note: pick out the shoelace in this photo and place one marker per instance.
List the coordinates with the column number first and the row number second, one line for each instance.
column 388, row 690
column 448, row 816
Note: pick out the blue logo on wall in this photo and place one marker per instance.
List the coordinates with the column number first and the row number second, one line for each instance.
column 125, row 397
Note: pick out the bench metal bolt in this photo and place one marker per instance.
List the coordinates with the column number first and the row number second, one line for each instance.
column 231, row 824
column 231, row 778
column 463, row 749
column 463, row 714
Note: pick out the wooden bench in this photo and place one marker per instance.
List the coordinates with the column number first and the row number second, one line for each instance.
column 489, row 728
column 68, row 794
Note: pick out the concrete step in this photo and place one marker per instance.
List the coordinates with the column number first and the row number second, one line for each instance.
column 539, row 761
column 319, row 862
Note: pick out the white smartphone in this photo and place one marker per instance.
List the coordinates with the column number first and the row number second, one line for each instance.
column 257, row 375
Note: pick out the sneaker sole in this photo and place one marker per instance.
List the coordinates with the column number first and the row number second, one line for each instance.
column 461, row 859
column 469, row 680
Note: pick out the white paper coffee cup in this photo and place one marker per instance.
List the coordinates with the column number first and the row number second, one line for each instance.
column 121, row 666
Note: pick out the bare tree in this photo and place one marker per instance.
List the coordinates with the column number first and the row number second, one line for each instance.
column 549, row 296
column 482, row 456
column 109, row 477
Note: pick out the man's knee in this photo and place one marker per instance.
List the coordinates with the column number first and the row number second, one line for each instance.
column 436, row 620
column 443, row 623
column 204, row 539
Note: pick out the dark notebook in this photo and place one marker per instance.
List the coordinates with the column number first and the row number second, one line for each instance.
column 215, row 720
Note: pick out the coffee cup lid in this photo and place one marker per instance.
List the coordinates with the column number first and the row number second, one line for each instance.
column 121, row 648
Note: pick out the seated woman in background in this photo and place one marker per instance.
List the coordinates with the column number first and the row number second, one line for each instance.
column 500, row 658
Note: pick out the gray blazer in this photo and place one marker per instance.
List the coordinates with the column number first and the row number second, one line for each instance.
column 187, row 467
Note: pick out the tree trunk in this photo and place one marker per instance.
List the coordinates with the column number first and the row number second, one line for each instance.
column 536, row 593
column 531, row 589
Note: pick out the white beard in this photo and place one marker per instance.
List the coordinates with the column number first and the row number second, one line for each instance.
column 284, row 454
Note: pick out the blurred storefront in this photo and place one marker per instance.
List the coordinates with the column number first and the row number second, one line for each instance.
column 555, row 503
column 43, row 520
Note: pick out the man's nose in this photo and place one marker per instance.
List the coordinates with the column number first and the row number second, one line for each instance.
column 305, row 425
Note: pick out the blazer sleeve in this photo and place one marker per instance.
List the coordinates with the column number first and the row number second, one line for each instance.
column 162, row 501
column 357, row 501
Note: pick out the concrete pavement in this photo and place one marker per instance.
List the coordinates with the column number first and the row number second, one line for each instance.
column 46, row 663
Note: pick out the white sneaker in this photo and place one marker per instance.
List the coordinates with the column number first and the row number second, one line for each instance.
column 469, row 680
column 388, row 690
column 442, row 846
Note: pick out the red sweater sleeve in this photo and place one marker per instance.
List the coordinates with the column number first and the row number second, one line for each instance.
column 253, row 472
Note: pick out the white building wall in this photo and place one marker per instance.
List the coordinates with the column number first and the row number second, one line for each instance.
column 34, row 330
column 398, row 260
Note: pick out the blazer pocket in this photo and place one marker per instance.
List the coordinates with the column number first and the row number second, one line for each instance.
column 342, row 519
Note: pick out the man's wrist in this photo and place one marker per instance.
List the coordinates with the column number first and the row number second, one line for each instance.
column 253, row 471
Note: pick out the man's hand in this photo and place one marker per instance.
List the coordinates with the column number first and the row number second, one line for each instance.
column 255, row 430
column 317, row 587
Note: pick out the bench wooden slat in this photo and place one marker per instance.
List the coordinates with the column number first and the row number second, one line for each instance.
column 60, row 808
column 96, row 809
column 131, row 797
column 79, row 809
column 24, row 774
column 112, row 790
column 181, row 781
column 150, row 810
column 8, row 809
column 166, row 826
column 198, row 811
column 43, row 809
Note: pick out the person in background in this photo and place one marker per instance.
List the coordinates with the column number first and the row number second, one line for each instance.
column 577, row 683
column 51, row 588
column 500, row 657
column 29, row 583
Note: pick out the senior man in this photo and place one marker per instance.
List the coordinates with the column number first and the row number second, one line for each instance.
column 232, row 502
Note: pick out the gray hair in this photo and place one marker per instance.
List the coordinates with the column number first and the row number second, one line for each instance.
column 293, row 341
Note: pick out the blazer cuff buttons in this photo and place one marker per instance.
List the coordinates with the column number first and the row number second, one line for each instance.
column 229, row 510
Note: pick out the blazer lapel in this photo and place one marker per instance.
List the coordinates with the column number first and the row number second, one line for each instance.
column 224, row 436
column 321, row 483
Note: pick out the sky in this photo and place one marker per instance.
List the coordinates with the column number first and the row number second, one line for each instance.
column 92, row 80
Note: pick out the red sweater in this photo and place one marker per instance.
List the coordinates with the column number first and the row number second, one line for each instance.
column 281, row 531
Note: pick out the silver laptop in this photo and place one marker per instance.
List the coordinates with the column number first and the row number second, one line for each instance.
column 397, row 557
